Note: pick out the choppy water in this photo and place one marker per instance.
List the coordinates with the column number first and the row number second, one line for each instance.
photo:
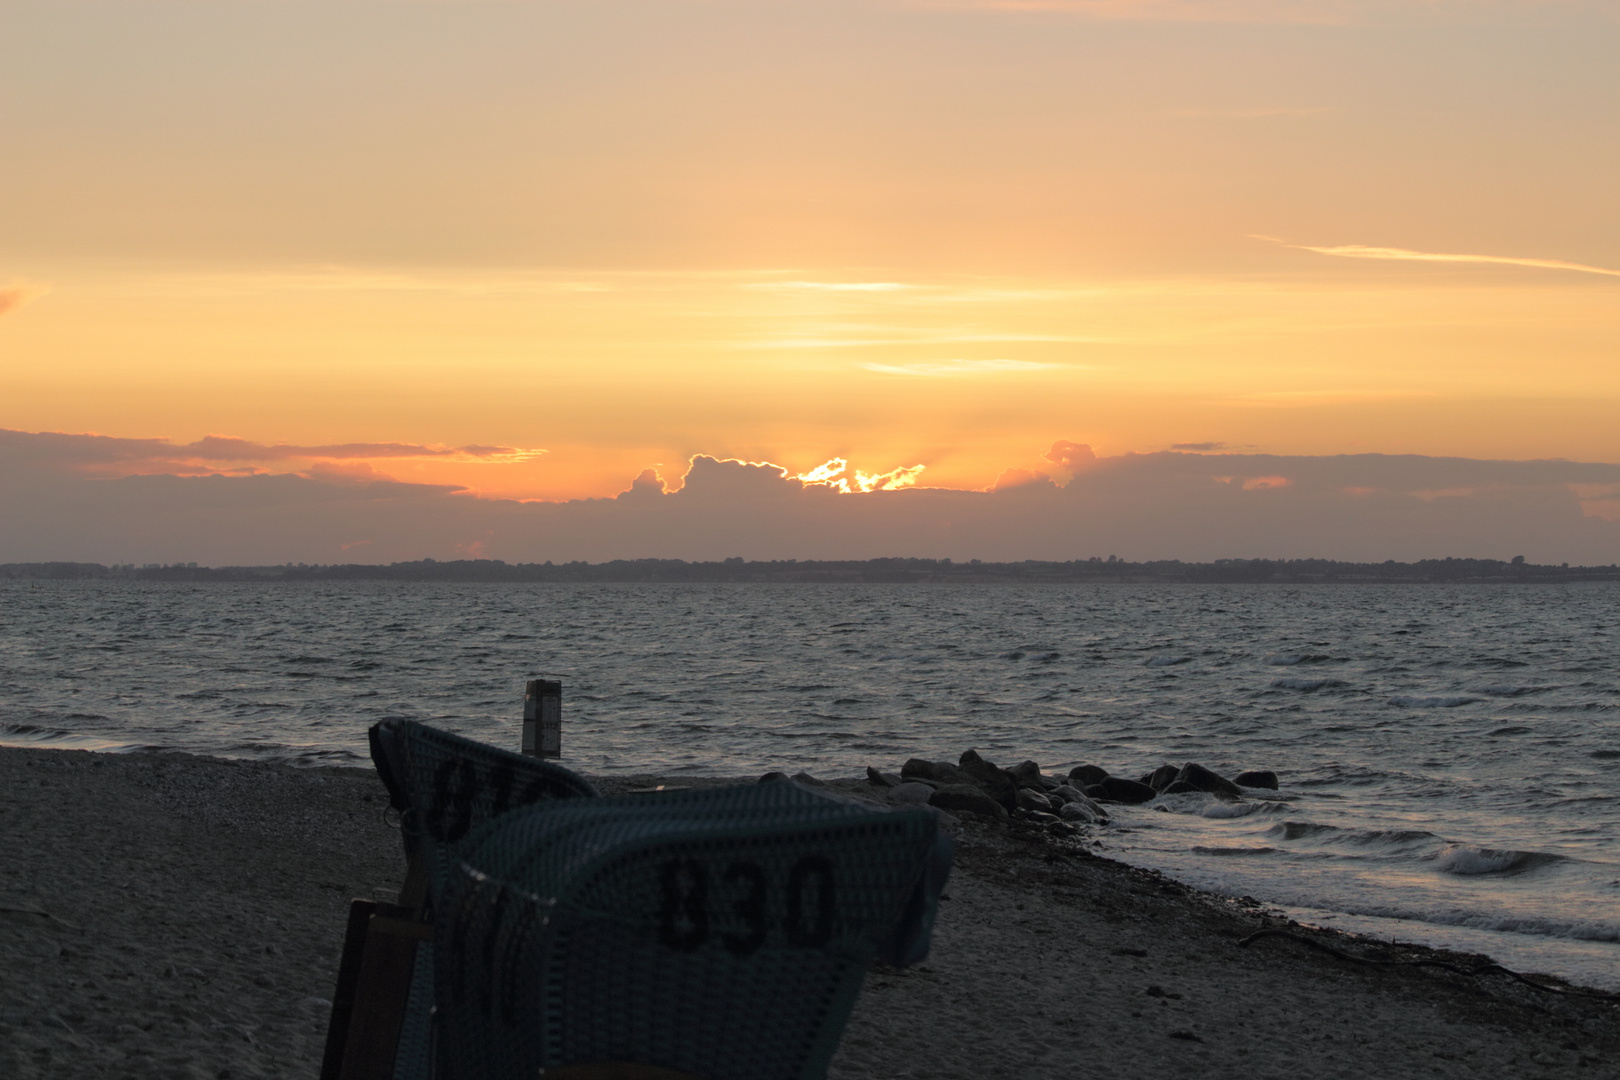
column 1450, row 756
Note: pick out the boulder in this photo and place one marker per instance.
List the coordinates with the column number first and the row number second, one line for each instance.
column 881, row 779
column 912, row 793
column 969, row 797
column 939, row 772
column 806, row 778
column 1180, row 787
column 1027, row 774
column 1088, row 775
column 1070, row 795
column 1162, row 777
column 995, row 781
column 1256, row 778
column 770, row 776
column 1081, row 811
column 1032, row 800
column 1208, row 780
column 1052, row 782
column 1120, row 790
column 1041, row 817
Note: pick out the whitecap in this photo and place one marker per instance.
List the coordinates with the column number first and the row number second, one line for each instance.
column 1218, row 809
column 1468, row 861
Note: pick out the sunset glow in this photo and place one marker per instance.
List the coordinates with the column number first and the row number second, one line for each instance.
column 531, row 249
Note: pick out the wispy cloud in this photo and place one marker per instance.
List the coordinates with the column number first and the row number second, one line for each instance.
column 1362, row 251
column 229, row 448
column 834, row 286
column 884, row 336
column 938, row 368
column 100, row 452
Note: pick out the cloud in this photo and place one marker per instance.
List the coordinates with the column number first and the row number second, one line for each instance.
column 836, row 474
column 103, row 453
column 647, row 485
column 1070, row 455
column 834, row 286
column 951, row 368
column 1199, row 446
column 1361, row 251
column 1164, row 505
column 13, row 297
column 1022, row 480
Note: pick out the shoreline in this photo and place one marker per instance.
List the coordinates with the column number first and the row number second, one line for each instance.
column 178, row 916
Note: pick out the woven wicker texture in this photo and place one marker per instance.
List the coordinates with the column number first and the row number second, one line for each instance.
column 445, row 787
column 721, row 932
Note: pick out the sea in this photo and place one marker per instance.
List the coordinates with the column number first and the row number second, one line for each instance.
column 1449, row 756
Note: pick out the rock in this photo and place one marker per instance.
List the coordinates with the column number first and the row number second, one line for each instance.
column 1208, row 780
column 1162, row 777
column 912, row 792
column 1041, row 817
column 1062, row 828
column 940, row 772
column 1027, row 774
column 1180, row 787
column 1032, row 800
column 1256, row 778
column 880, row 779
column 806, row 778
column 969, row 797
column 1051, row 782
column 1088, row 775
column 995, row 781
column 1120, row 790
column 1070, row 795
column 1080, row 811
column 770, row 776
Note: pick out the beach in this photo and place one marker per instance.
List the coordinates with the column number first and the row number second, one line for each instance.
column 168, row 915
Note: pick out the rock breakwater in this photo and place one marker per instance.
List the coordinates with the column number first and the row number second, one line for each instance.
column 979, row 787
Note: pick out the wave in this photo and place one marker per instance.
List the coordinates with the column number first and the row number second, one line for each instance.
column 1465, row 861
column 1438, row 701
column 1512, row 691
column 1393, row 839
column 1290, row 659
column 1201, row 849
column 1166, row 661
column 1307, row 685
column 1568, row 929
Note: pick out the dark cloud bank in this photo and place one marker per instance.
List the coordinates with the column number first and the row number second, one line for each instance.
column 61, row 505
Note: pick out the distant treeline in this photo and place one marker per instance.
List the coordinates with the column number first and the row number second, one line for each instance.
column 1281, row 571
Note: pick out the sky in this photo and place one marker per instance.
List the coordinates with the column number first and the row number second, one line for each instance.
column 495, row 261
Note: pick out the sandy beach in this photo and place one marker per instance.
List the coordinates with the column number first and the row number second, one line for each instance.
column 173, row 916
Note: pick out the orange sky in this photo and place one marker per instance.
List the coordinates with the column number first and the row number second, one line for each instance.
column 898, row 233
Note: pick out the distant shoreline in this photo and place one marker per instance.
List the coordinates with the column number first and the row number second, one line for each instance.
column 869, row 571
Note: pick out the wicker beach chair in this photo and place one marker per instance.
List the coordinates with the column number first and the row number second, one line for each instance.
column 444, row 788
column 720, row 933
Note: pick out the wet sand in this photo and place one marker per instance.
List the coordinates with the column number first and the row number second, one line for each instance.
column 173, row 916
